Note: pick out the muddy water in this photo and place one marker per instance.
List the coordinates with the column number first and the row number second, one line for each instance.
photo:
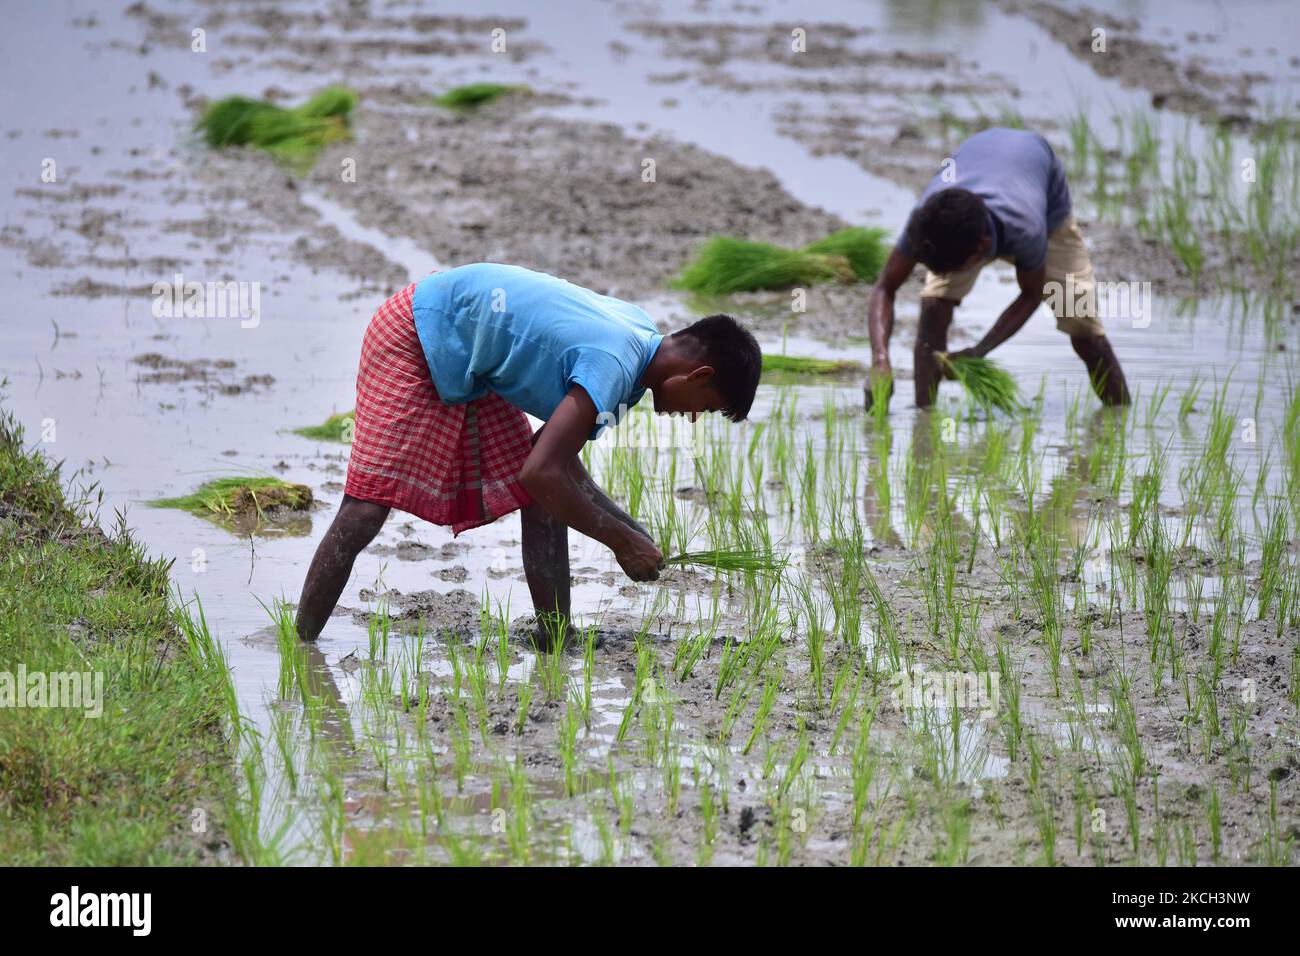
column 115, row 121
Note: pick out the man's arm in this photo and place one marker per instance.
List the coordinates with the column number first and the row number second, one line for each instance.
column 593, row 491
column 548, row 477
column 1015, row 315
column 880, row 317
column 880, row 314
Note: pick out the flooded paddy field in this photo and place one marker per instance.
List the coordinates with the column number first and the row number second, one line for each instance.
column 1065, row 636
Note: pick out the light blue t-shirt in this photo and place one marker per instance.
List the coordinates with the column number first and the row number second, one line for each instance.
column 1021, row 182
column 531, row 337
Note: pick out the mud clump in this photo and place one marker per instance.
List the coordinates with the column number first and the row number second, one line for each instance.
column 209, row 373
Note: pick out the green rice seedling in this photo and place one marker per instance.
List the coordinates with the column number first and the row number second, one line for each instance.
column 986, row 382
column 954, row 846
column 1274, row 850
column 1042, row 802
column 1009, row 713
column 473, row 95
column 623, row 793
column 554, row 670
column 1293, row 678
column 230, row 498
column 336, row 428
column 1185, row 848
column 689, row 652
column 1187, row 404
column 671, row 763
column 462, row 745
column 588, row 668
column 525, row 699
column 1213, row 813
column 1272, row 565
column 865, row 248
column 709, row 818
column 605, row 833
column 765, row 704
column 292, row 136
column 567, row 740
column 643, row 679
column 805, row 365
column 863, row 763
column 725, row 265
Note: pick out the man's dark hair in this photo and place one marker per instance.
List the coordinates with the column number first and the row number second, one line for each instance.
column 946, row 231
column 736, row 359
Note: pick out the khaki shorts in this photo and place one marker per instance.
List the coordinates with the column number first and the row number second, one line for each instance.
column 1070, row 291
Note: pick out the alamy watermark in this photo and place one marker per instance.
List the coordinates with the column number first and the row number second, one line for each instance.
column 75, row 908
column 208, row 300
column 36, row 690
column 1124, row 301
column 960, row 690
column 624, row 429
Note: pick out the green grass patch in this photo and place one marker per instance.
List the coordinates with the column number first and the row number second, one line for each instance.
column 124, row 787
column 986, row 382
column 725, row 264
column 336, row 428
column 473, row 95
column 293, row 136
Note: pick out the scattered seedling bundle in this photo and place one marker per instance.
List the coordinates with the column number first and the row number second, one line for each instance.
column 335, row 428
column 240, row 497
column 986, row 382
column 473, row 95
column 803, row 365
column 292, row 136
column 726, row 264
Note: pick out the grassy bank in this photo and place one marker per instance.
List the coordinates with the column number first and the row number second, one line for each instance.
column 129, row 770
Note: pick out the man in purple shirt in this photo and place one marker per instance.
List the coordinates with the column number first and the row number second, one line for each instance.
column 1002, row 195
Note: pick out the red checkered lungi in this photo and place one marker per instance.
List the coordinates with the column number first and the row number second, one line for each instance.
column 453, row 465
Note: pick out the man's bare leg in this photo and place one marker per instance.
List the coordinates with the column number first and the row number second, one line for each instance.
column 546, row 566
column 931, row 337
column 1103, row 368
column 354, row 527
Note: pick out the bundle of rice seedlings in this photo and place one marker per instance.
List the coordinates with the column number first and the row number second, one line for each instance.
column 335, row 428
column 986, row 382
column 865, row 249
column 292, row 136
column 759, row 560
column 727, row 265
column 803, row 365
column 240, row 498
column 474, row 95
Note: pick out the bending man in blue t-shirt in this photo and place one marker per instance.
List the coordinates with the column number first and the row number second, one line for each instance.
column 449, row 367
column 1002, row 195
